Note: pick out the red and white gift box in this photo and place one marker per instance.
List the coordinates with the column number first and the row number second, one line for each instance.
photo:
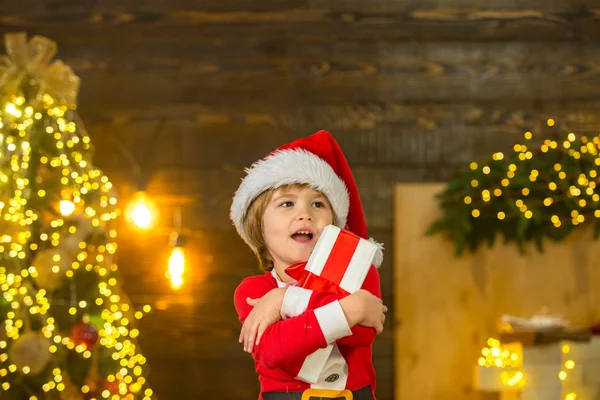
column 342, row 258
column 339, row 262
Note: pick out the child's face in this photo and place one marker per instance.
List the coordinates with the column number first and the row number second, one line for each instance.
column 292, row 224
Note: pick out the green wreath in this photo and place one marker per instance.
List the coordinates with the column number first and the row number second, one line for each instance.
column 539, row 191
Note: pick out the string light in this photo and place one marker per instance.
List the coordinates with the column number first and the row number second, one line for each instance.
column 553, row 185
column 66, row 207
column 495, row 356
column 64, row 163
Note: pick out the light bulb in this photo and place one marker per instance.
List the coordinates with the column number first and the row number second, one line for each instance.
column 141, row 211
column 176, row 267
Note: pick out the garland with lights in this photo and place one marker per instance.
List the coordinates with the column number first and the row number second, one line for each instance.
column 540, row 191
column 68, row 331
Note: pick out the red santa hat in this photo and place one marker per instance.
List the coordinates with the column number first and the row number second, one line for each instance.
column 317, row 161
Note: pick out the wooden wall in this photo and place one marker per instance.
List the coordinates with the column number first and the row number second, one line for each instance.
column 197, row 90
column 448, row 307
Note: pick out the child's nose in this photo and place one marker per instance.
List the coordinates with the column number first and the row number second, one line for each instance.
column 304, row 214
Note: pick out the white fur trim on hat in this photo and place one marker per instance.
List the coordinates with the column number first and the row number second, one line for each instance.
column 287, row 167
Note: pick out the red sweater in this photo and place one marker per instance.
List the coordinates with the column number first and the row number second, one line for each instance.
column 312, row 320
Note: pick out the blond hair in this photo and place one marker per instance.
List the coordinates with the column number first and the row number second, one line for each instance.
column 253, row 223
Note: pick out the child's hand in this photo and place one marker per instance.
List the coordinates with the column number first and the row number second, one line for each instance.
column 365, row 309
column 266, row 311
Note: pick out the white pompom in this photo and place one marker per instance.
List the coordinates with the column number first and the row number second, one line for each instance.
column 378, row 257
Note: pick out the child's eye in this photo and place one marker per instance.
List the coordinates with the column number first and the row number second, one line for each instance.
column 319, row 204
column 287, row 204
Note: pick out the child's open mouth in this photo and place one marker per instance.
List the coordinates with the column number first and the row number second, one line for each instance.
column 303, row 236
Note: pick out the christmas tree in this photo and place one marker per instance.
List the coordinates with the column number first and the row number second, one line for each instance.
column 68, row 329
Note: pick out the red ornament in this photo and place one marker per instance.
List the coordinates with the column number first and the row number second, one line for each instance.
column 84, row 334
column 112, row 387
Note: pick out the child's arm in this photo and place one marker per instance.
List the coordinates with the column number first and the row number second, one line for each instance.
column 298, row 300
column 292, row 340
column 286, row 343
column 295, row 301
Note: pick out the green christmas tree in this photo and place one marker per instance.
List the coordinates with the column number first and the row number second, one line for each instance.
column 68, row 331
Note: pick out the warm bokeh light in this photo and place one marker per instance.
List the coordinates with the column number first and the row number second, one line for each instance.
column 176, row 267
column 66, row 207
column 141, row 211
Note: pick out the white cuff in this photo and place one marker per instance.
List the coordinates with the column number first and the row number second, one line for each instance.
column 295, row 301
column 333, row 322
column 314, row 364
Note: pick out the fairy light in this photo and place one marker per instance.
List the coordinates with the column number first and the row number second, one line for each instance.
column 541, row 193
column 513, row 379
column 66, row 207
column 495, row 356
column 508, row 362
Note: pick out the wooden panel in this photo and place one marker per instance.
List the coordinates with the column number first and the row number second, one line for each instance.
column 331, row 59
column 446, row 308
column 254, row 119
column 116, row 6
column 398, row 134
column 339, row 73
column 296, row 20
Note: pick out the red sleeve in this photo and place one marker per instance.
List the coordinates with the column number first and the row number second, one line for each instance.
column 299, row 300
column 289, row 342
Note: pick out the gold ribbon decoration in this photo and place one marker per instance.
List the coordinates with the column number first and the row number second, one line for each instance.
column 30, row 60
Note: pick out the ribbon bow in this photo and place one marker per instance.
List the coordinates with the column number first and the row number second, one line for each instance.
column 31, row 60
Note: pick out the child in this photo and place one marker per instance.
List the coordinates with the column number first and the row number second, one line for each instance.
column 280, row 209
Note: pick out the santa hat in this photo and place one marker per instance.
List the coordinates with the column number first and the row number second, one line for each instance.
column 317, row 161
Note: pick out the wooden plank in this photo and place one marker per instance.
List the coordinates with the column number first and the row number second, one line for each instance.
column 256, row 120
column 342, row 21
column 333, row 72
column 116, row 6
column 325, row 59
column 544, row 5
column 465, row 297
column 399, row 134
column 339, row 74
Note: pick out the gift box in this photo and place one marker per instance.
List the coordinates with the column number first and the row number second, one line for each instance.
column 338, row 264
